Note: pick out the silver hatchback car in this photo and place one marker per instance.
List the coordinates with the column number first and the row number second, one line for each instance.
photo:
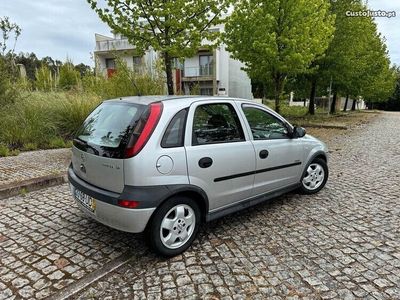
column 165, row 164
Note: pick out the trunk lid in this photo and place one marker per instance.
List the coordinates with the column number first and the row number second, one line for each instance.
column 99, row 146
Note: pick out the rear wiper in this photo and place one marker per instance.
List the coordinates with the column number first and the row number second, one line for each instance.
column 85, row 144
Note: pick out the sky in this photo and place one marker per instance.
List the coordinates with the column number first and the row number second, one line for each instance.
column 66, row 28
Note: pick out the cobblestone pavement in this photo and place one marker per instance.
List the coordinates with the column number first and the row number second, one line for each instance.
column 341, row 243
column 28, row 165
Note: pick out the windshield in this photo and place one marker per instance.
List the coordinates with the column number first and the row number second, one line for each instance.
column 109, row 124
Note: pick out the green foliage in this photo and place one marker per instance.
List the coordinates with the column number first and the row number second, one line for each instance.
column 174, row 28
column 57, row 142
column 69, row 77
column 71, row 111
column 126, row 82
column 8, row 91
column 275, row 39
column 356, row 60
column 30, row 146
column 8, row 28
column 4, row 151
column 42, row 120
column 394, row 101
column 44, row 79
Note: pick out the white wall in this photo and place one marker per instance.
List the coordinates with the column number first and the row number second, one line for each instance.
column 239, row 81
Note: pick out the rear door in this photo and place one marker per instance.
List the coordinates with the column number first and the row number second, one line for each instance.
column 279, row 158
column 220, row 157
column 98, row 151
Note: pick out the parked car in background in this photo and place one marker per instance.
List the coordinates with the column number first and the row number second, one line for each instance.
column 165, row 164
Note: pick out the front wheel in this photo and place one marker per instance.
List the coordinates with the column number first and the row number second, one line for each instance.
column 314, row 177
column 174, row 226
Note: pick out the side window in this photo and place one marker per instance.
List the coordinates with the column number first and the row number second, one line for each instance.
column 216, row 123
column 264, row 126
column 175, row 133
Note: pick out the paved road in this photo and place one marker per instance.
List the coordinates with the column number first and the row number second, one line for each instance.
column 342, row 243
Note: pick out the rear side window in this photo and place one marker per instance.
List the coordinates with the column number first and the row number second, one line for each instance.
column 216, row 123
column 174, row 135
column 108, row 127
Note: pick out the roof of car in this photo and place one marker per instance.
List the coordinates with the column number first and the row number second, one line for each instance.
column 151, row 99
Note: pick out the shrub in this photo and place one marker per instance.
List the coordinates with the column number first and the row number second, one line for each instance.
column 56, row 142
column 44, row 79
column 30, row 146
column 72, row 110
column 69, row 77
column 8, row 91
column 4, row 151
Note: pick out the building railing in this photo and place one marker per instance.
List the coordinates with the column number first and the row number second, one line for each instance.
column 207, row 70
column 111, row 45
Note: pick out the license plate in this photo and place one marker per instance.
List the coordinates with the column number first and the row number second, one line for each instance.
column 87, row 201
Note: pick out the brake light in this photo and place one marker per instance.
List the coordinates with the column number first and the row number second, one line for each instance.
column 146, row 132
column 128, row 203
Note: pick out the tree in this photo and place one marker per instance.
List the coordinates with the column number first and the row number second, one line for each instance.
column 8, row 92
column 279, row 38
column 355, row 59
column 174, row 28
column 83, row 69
column 394, row 101
column 7, row 29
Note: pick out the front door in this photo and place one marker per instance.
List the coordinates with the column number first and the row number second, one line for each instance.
column 279, row 158
column 219, row 156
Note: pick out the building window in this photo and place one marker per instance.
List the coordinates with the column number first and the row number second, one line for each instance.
column 206, row 91
column 206, row 63
column 110, row 63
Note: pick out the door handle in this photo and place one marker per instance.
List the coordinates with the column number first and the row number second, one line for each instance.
column 263, row 154
column 205, row 162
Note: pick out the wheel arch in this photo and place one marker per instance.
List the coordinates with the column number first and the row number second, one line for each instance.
column 318, row 154
column 189, row 191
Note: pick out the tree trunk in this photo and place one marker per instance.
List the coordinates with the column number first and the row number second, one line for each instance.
column 333, row 104
column 168, row 70
column 345, row 104
column 311, row 106
column 353, row 106
column 279, row 82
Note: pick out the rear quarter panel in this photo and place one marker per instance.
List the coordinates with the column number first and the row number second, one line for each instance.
column 141, row 170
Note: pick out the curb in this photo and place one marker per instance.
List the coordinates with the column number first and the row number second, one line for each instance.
column 327, row 126
column 29, row 185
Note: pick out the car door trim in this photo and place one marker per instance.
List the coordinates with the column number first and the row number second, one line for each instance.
column 219, row 179
column 216, row 214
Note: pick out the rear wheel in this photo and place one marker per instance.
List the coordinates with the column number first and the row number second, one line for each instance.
column 174, row 226
column 314, row 177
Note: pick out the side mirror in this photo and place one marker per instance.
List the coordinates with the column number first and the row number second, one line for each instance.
column 299, row 132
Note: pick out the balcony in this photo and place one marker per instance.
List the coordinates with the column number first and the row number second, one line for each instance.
column 205, row 72
column 113, row 45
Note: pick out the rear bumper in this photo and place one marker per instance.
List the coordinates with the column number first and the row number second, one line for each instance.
column 107, row 211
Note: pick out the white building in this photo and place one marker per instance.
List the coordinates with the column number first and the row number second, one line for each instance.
column 211, row 72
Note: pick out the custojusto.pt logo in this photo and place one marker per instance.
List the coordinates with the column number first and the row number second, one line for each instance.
column 371, row 13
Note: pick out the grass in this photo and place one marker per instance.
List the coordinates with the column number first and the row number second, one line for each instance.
column 41, row 120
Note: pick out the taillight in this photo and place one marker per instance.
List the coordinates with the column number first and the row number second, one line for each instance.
column 135, row 146
column 128, row 203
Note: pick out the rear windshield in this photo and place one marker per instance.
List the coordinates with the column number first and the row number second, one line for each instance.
column 109, row 125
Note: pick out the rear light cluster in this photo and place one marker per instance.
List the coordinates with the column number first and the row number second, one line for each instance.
column 128, row 203
column 144, row 129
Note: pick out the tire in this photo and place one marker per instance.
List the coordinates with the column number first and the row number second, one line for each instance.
column 174, row 226
column 314, row 177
